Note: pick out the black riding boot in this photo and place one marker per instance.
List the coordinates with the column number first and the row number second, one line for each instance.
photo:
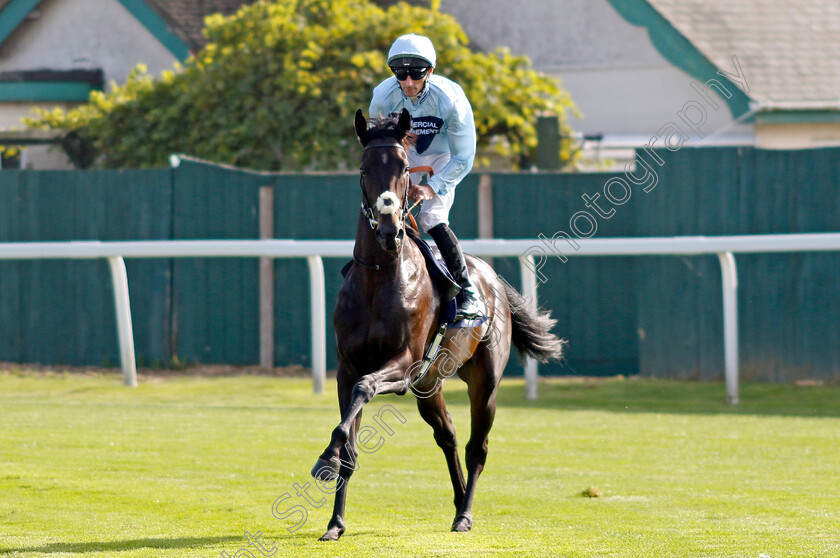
column 471, row 306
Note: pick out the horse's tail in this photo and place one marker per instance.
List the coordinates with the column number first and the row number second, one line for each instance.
column 532, row 329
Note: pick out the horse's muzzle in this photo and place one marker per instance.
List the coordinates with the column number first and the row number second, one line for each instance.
column 390, row 236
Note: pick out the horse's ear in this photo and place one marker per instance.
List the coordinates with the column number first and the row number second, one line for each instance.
column 405, row 120
column 361, row 124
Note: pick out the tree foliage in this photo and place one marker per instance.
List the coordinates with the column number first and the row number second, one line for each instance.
column 279, row 81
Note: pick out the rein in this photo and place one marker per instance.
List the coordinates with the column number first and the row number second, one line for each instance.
column 431, row 172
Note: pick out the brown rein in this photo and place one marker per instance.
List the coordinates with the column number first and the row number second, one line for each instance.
column 431, row 172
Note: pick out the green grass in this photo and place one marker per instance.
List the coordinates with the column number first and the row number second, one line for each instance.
column 184, row 466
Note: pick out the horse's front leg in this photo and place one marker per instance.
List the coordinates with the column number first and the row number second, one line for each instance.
column 346, row 453
column 388, row 379
column 338, row 461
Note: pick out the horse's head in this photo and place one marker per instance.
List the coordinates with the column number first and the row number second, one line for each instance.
column 384, row 177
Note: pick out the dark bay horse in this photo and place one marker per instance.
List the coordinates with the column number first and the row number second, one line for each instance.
column 388, row 312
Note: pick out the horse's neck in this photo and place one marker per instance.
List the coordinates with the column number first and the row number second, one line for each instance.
column 400, row 290
column 367, row 248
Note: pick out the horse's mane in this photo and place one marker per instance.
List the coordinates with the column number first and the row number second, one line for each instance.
column 388, row 128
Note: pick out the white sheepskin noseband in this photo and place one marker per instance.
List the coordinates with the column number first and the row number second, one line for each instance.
column 387, row 203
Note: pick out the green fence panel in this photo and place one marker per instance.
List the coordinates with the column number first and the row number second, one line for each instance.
column 786, row 301
column 463, row 217
column 314, row 207
column 216, row 300
column 63, row 311
column 592, row 298
column 679, row 298
column 789, row 302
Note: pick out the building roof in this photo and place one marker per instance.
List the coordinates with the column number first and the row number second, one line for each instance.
column 177, row 24
column 789, row 51
column 186, row 17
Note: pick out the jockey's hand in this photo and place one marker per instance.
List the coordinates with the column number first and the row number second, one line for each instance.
column 421, row 192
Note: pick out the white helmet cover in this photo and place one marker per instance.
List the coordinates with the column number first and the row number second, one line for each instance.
column 415, row 46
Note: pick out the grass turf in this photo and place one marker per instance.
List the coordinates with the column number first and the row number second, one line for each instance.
column 185, row 466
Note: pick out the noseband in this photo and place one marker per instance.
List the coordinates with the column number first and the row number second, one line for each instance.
column 366, row 209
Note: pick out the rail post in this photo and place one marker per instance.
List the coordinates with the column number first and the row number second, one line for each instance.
column 729, row 278
column 318, row 312
column 125, row 331
column 529, row 291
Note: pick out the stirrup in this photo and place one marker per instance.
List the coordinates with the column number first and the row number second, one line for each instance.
column 467, row 314
column 471, row 308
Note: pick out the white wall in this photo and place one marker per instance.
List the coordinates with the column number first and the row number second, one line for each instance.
column 72, row 35
column 83, row 34
column 33, row 156
column 12, row 113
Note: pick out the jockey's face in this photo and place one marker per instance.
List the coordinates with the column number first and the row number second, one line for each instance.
column 413, row 87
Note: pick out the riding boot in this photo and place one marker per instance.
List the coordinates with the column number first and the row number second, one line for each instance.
column 471, row 306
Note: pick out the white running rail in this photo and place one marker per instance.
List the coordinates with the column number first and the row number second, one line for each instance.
column 724, row 247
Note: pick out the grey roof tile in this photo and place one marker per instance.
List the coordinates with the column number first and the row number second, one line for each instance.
column 186, row 17
column 789, row 51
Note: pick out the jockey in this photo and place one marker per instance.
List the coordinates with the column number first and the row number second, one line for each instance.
column 442, row 120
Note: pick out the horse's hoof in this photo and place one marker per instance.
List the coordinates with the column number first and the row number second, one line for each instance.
column 335, row 530
column 462, row 523
column 332, row 535
column 326, row 470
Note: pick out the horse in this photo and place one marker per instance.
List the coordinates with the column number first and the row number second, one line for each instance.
column 389, row 310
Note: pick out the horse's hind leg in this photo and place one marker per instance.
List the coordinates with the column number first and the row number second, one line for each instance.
column 433, row 411
column 482, row 374
column 483, row 411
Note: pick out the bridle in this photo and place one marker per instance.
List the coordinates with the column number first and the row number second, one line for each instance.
column 367, row 211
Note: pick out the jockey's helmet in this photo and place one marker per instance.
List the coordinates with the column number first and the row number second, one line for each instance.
column 412, row 51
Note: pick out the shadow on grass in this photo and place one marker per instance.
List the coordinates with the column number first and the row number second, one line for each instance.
column 118, row 546
column 643, row 395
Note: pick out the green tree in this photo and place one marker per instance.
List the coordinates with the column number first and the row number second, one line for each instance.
column 279, row 81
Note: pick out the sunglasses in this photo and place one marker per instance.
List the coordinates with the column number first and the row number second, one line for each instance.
column 413, row 73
